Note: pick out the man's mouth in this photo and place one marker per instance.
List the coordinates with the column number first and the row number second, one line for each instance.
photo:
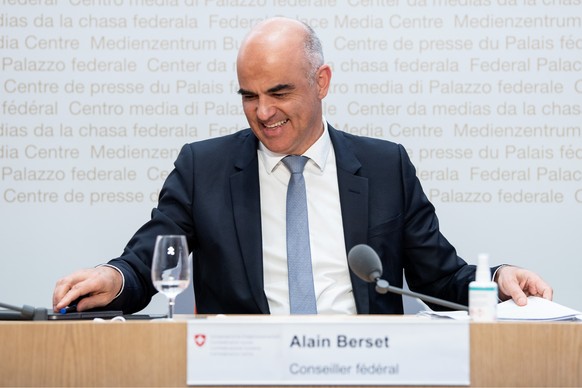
column 277, row 124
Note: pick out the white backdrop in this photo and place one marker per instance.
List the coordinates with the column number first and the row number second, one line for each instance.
column 97, row 97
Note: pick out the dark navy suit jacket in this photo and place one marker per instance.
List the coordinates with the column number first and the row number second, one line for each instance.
column 212, row 197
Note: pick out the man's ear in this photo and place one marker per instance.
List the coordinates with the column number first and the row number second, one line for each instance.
column 323, row 79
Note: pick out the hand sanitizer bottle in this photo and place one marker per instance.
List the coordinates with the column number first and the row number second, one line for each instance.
column 483, row 293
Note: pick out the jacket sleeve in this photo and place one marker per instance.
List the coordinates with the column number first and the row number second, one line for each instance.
column 173, row 215
column 431, row 263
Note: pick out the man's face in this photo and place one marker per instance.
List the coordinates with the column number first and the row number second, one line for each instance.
column 282, row 106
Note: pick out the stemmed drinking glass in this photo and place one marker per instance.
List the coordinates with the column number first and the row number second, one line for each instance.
column 171, row 268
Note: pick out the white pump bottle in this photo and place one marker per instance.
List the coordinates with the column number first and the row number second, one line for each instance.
column 483, row 293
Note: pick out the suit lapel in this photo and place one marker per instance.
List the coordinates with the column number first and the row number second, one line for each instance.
column 353, row 191
column 245, row 193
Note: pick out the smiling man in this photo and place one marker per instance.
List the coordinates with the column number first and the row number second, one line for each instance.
column 282, row 91
column 228, row 196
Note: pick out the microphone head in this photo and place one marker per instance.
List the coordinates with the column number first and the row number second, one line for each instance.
column 365, row 263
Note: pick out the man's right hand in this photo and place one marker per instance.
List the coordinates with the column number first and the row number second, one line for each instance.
column 98, row 286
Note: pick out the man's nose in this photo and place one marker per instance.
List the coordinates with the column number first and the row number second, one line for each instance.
column 265, row 109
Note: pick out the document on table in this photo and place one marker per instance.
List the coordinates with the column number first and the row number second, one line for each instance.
column 536, row 309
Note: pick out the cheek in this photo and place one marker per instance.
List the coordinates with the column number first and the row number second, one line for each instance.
column 297, row 108
column 306, row 103
column 249, row 109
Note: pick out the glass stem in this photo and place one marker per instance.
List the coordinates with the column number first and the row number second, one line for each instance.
column 171, row 303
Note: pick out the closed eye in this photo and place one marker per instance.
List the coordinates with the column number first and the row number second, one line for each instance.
column 246, row 94
column 278, row 91
column 281, row 89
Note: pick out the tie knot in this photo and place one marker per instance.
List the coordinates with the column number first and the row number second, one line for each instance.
column 295, row 163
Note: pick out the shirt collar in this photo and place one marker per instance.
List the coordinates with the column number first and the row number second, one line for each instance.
column 317, row 153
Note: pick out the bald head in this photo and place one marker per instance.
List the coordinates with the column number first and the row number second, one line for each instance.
column 282, row 82
column 285, row 37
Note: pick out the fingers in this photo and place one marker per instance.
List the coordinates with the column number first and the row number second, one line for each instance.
column 516, row 293
column 537, row 287
column 548, row 293
column 97, row 287
column 519, row 283
column 70, row 288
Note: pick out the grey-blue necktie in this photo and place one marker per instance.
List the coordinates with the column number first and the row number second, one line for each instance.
column 301, row 288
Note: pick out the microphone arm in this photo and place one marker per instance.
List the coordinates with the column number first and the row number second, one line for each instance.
column 26, row 313
column 382, row 287
column 366, row 264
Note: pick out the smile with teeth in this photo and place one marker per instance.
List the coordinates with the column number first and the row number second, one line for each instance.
column 277, row 124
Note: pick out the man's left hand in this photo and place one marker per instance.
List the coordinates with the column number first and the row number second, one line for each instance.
column 518, row 283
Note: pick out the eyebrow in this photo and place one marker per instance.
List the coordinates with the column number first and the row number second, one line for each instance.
column 274, row 89
column 280, row 87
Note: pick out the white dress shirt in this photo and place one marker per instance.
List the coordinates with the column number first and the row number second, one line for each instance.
column 333, row 288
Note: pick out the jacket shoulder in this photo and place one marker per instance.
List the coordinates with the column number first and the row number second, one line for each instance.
column 366, row 148
column 222, row 142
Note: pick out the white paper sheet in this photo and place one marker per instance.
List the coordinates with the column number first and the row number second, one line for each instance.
column 536, row 309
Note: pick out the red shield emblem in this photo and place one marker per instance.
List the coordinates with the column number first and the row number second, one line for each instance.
column 199, row 339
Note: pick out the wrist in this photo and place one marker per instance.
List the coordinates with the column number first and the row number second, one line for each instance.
column 120, row 276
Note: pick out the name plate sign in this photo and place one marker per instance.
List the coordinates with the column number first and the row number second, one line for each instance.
column 327, row 350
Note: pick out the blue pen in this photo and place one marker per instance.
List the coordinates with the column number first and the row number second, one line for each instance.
column 70, row 308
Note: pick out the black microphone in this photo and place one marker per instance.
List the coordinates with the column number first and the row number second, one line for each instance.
column 24, row 313
column 366, row 264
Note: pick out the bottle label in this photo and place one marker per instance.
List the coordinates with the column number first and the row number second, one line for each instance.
column 483, row 303
column 484, row 288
